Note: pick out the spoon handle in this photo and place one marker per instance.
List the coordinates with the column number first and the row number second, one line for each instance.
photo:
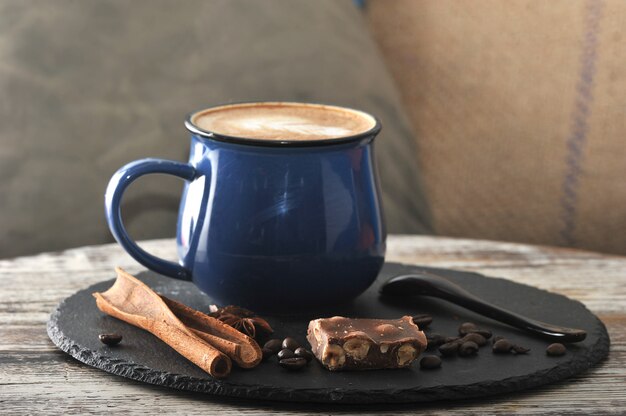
column 429, row 284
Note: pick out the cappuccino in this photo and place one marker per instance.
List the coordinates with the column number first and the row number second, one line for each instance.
column 283, row 121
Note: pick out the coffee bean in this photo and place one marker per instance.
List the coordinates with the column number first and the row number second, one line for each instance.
column 468, row 348
column 471, row 328
column 518, row 349
column 451, row 339
column 267, row 353
column 285, row 353
column 290, row 344
column 422, row 321
column 430, row 362
column 303, row 353
column 484, row 332
column 435, row 340
column 555, row 350
column 502, row 346
column 448, row 349
column 496, row 338
column 466, row 327
column 273, row 345
column 296, row 363
column 110, row 339
column 474, row 337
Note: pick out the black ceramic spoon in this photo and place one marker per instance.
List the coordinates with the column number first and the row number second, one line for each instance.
column 429, row 284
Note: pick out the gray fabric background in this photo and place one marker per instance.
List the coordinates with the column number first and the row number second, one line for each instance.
column 87, row 86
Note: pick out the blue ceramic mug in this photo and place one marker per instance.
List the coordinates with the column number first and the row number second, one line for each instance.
column 270, row 224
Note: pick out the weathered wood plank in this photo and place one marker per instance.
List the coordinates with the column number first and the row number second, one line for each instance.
column 35, row 377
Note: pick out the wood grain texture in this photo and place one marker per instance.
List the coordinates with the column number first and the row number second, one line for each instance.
column 37, row 378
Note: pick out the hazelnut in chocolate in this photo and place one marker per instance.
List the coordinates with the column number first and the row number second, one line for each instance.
column 365, row 344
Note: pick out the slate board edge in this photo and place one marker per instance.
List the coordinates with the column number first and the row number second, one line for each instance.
column 144, row 374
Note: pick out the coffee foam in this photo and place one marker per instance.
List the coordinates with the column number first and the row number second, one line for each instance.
column 283, row 121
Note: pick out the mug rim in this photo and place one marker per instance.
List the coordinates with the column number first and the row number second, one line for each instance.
column 194, row 129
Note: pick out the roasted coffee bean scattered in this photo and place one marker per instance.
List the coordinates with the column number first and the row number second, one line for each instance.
column 290, row 355
column 555, row 350
column 273, row 345
column 484, row 332
column 496, row 338
column 110, row 339
column 435, row 340
column 468, row 348
column 451, row 339
column 267, row 353
column 474, row 337
column 302, row 352
column 285, row 353
column 466, row 327
column 422, row 321
column 502, row 346
column 471, row 328
column 290, row 343
column 518, row 349
column 295, row 363
column 430, row 362
column 448, row 349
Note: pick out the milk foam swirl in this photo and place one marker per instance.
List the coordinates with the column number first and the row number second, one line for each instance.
column 283, row 121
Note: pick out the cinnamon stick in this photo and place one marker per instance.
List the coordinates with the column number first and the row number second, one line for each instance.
column 218, row 334
column 231, row 349
column 135, row 303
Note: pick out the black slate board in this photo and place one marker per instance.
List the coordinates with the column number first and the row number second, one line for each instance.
column 75, row 324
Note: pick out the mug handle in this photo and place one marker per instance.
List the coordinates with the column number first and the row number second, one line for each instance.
column 112, row 201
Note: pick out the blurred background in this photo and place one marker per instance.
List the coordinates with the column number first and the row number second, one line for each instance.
column 502, row 120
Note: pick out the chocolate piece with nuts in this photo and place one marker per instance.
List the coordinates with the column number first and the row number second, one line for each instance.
column 365, row 344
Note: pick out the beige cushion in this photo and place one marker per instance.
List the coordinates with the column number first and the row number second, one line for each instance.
column 88, row 86
column 519, row 111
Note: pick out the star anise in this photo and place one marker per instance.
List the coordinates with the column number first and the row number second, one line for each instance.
column 241, row 319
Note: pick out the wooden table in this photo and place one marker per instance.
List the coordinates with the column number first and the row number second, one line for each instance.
column 35, row 377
